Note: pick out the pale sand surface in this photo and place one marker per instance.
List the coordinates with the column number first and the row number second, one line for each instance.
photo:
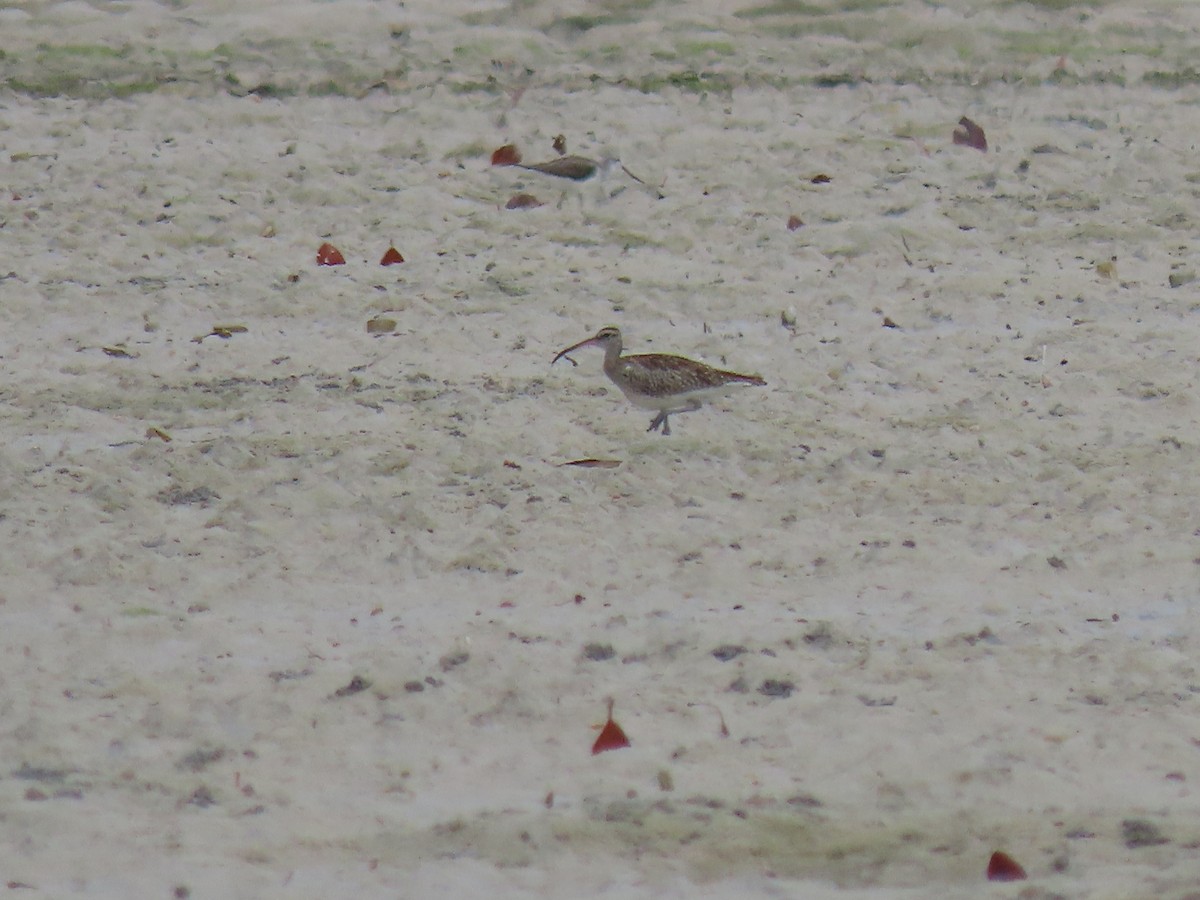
column 969, row 542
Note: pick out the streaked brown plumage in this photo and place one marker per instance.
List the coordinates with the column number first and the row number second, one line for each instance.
column 578, row 170
column 660, row 381
column 573, row 168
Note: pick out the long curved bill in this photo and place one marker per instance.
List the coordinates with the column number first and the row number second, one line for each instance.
column 562, row 354
column 657, row 191
column 631, row 175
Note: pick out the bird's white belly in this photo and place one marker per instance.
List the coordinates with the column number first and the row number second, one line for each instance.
column 682, row 400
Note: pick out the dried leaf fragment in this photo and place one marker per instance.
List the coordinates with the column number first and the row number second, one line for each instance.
column 821, row 178
column 118, row 352
column 560, row 144
column 794, row 222
column 591, row 463
column 523, row 201
column 225, row 332
column 153, row 432
column 724, row 732
column 968, row 134
column 391, row 257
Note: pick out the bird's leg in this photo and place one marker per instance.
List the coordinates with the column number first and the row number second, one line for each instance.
column 661, row 418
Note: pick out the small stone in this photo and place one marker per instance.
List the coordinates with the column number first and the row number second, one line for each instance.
column 808, row 801
column 774, row 687
column 381, row 325
column 726, row 652
column 1141, row 833
column 356, row 685
column 202, row 797
column 598, row 652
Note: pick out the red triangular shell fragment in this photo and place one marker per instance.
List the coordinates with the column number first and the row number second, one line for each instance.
column 508, row 155
column 1002, row 867
column 612, row 737
column 391, row 258
column 329, row 255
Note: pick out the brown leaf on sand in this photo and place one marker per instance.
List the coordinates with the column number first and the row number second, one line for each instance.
column 593, row 463
column 522, row 201
column 821, row 178
column 391, row 258
column 612, row 737
column 968, row 134
column 794, row 222
column 508, row 155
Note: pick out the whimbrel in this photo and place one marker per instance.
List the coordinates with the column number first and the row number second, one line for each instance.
column 578, row 170
column 660, row 381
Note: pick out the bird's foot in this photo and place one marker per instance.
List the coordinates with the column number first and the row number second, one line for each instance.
column 660, row 420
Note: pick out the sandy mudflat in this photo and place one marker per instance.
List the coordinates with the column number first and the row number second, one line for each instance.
column 938, row 578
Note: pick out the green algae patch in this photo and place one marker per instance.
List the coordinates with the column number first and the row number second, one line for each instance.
column 690, row 81
column 1172, row 80
column 707, row 839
